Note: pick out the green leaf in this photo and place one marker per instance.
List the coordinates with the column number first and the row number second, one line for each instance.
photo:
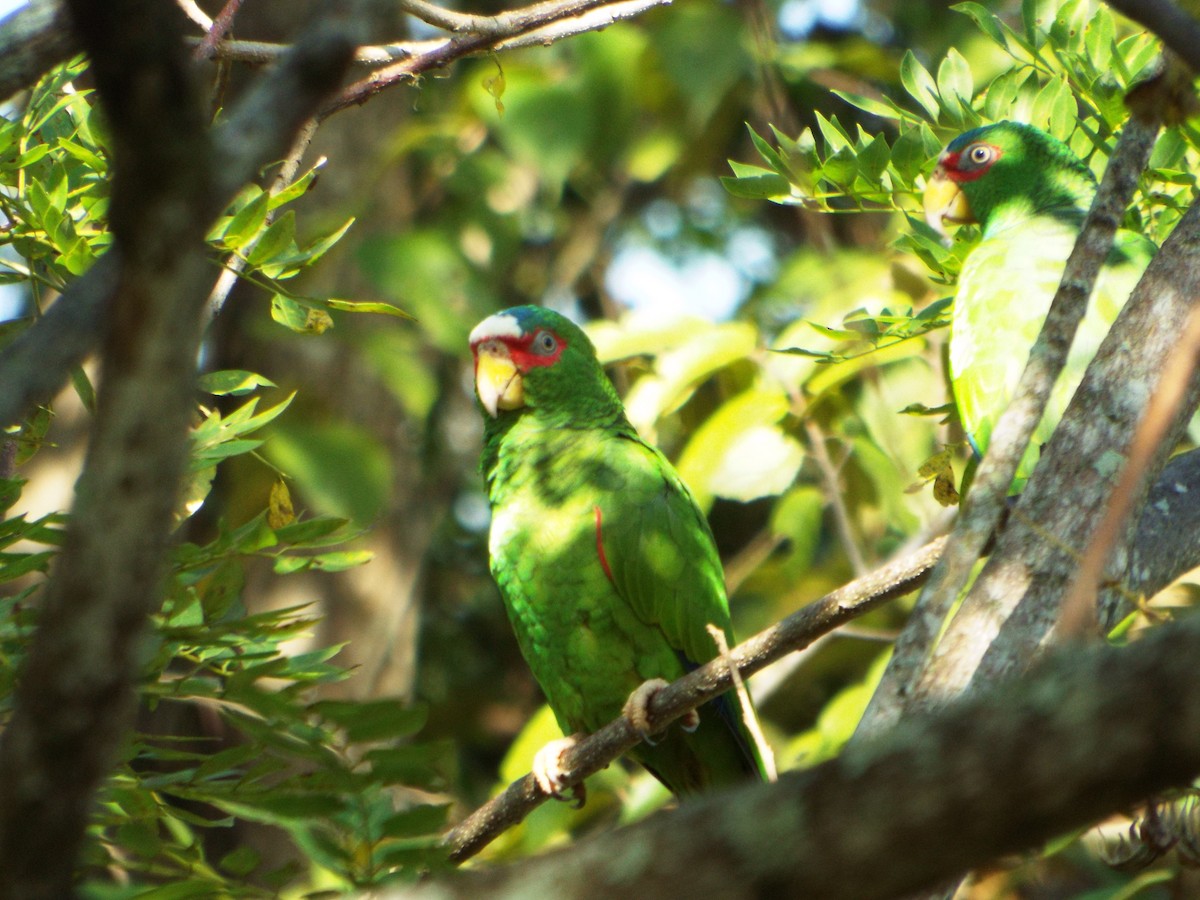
column 14, row 565
column 326, row 562
column 1002, row 93
column 913, row 152
column 321, row 246
column 365, row 306
column 232, row 382
column 415, row 765
column 955, row 83
column 246, row 223
column 309, row 530
column 373, row 720
column 1031, row 23
column 299, row 316
column 425, row 819
column 985, row 20
column 919, row 84
column 83, row 388
column 881, row 108
column 767, row 152
column 278, row 807
column 241, row 861
column 297, row 188
column 835, row 136
column 765, row 185
column 279, row 238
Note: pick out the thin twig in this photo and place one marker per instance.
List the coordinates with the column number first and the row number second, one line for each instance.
column 749, row 719
column 541, row 23
column 833, row 495
column 594, row 752
column 218, row 29
column 196, row 14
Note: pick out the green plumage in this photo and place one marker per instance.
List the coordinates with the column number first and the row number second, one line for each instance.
column 1030, row 203
column 567, row 475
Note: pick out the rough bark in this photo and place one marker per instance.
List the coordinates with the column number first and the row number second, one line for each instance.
column 1089, row 732
column 74, row 702
column 32, row 39
column 1013, row 607
column 986, row 502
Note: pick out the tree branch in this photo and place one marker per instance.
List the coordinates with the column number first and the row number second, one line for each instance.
column 796, row 632
column 540, row 23
column 33, row 39
column 1090, row 732
column 1023, row 585
column 74, row 701
column 1174, row 27
column 36, row 365
column 987, row 499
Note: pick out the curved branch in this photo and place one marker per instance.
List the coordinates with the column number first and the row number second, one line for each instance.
column 593, row 753
column 1088, row 733
column 540, row 23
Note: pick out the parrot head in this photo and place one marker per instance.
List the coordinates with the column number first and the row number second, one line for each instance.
column 532, row 359
column 1005, row 173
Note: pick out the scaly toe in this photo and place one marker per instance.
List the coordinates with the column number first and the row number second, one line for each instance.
column 637, row 707
column 548, row 772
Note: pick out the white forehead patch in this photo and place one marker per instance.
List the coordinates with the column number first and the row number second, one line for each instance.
column 497, row 326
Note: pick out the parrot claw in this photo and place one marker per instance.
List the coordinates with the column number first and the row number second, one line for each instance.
column 637, row 710
column 549, row 774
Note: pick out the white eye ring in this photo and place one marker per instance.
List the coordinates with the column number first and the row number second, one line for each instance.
column 544, row 343
column 979, row 154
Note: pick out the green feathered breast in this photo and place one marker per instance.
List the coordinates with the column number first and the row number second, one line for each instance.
column 1029, row 194
column 607, row 567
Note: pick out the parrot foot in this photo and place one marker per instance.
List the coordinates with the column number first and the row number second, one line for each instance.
column 637, row 709
column 549, row 774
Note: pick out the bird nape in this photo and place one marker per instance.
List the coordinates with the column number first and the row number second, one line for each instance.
column 1029, row 193
column 607, row 566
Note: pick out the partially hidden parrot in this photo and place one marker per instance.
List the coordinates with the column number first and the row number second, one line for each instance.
column 607, row 566
column 1029, row 194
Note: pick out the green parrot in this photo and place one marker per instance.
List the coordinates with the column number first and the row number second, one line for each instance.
column 1029, row 194
column 606, row 564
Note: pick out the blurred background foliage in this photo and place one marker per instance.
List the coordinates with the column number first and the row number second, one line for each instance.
column 349, row 706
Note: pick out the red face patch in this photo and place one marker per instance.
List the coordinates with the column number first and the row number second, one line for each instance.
column 530, row 351
column 969, row 163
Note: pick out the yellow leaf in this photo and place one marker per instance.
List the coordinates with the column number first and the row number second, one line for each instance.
column 279, row 506
column 318, row 321
column 495, row 85
column 938, row 468
column 935, row 465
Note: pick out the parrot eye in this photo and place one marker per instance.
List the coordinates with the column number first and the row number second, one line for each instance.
column 544, row 343
column 979, row 154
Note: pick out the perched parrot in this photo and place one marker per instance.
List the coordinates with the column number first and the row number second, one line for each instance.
column 607, row 566
column 1029, row 194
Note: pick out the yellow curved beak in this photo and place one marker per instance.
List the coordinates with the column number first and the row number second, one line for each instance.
column 945, row 203
column 497, row 380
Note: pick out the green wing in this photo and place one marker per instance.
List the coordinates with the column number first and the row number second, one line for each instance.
column 664, row 565
column 663, row 558
column 610, row 575
column 1005, row 290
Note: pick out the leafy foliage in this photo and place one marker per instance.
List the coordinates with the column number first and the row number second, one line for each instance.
column 579, row 175
column 345, row 781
